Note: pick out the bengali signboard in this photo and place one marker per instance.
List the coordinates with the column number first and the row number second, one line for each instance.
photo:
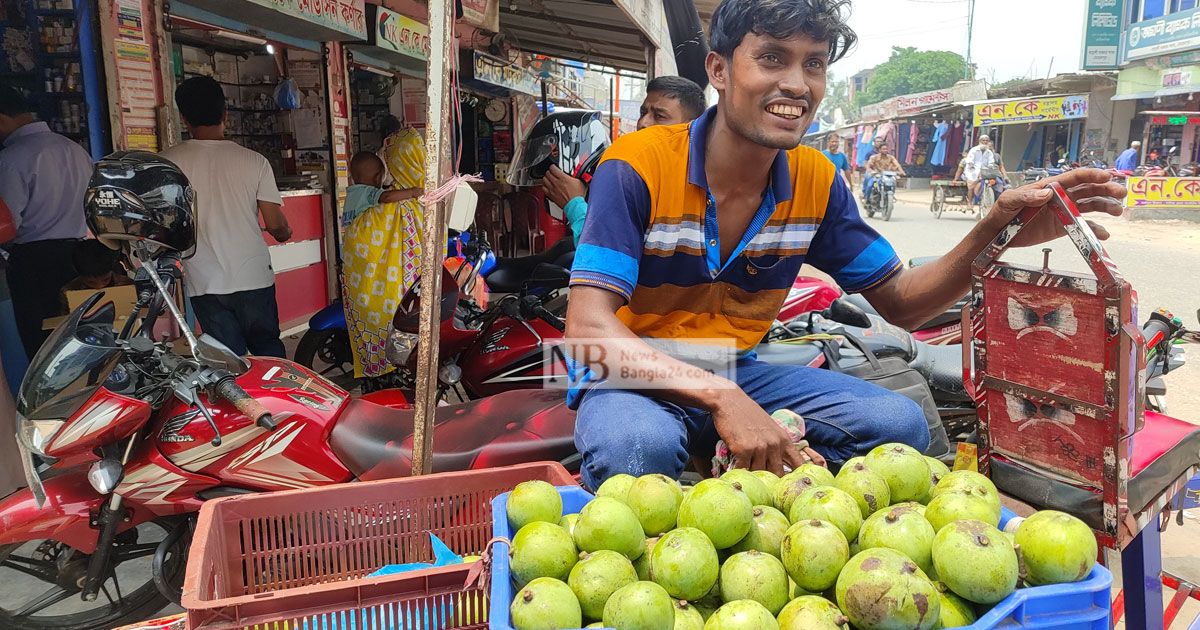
column 482, row 13
column 1102, row 34
column 1163, row 192
column 400, row 33
column 1171, row 33
column 321, row 20
column 909, row 104
column 1031, row 110
column 503, row 74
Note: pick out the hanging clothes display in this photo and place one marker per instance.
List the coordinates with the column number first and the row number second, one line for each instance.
column 866, row 146
column 940, row 141
column 914, row 130
column 886, row 133
column 954, row 149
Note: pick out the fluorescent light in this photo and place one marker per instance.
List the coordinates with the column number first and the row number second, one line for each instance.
column 270, row 49
column 375, row 70
column 239, row 37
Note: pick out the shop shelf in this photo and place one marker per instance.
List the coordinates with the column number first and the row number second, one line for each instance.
column 1078, row 606
column 301, row 557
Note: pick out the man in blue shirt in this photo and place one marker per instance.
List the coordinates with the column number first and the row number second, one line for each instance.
column 669, row 100
column 43, row 176
column 839, row 159
column 697, row 234
column 1127, row 161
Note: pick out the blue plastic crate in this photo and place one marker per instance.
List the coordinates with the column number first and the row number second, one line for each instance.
column 1082, row 605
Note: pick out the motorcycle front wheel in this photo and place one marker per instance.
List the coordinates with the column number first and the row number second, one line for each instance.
column 889, row 202
column 42, row 578
column 986, row 200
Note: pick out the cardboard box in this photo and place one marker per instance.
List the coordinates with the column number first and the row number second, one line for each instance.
column 122, row 297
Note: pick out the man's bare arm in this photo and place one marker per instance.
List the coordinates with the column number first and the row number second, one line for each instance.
column 277, row 224
column 914, row 296
column 756, row 440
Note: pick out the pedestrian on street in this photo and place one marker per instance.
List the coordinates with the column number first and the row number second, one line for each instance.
column 670, row 100
column 833, row 151
column 1127, row 161
column 43, row 176
column 229, row 279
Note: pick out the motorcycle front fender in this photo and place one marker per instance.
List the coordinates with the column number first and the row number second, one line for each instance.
column 66, row 517
column 332, row 317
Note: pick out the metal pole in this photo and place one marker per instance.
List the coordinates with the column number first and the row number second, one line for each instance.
column 970, row 30
column 437, row 161
column 545, row 107
column 612, row 103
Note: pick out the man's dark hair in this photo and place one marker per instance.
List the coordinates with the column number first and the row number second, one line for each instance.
column 389, row 125
column 822, row 20
column 689, row 95
column 201, row 101
column 12, row 101
column 93, row 259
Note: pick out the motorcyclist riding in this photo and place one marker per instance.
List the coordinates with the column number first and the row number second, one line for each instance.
column 881, row 161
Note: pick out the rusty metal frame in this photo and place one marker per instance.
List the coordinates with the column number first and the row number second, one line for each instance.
column 1124, row 356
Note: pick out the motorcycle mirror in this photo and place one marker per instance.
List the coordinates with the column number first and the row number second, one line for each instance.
column 850, row 314
column 214, row 354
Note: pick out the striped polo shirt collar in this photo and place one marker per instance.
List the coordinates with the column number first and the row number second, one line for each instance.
column 781, row 172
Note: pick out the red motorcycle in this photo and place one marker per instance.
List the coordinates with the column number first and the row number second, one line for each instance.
column 123, row 439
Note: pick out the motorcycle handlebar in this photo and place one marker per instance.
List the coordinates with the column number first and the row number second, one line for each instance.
column 229, row 390
column 550, row 318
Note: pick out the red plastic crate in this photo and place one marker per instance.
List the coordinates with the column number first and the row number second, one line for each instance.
column 298, row 559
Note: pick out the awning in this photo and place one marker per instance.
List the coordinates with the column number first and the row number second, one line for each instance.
column 595, row 31
column 331, row 20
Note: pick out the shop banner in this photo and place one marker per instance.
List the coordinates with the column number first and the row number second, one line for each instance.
column 400, row 33
column 344, row 16
column 504, row 74
column 1163, row 192
column 482, row 13
column 908, row 104
column 134, row 70
column 1171, row 33
column 1032, row 110
column 1102, row 34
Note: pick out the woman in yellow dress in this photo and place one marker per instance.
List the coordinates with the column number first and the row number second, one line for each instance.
column 381, row 255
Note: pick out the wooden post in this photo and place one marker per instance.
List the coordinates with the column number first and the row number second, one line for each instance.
column 437, row 164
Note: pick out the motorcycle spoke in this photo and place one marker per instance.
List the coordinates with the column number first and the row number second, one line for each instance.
column 131, row 552
column 117, row 586
column 104, row 589
column 46, row 575
column 45, row 564
column 51, row 597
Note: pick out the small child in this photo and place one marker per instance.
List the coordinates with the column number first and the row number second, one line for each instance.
column 366, row 170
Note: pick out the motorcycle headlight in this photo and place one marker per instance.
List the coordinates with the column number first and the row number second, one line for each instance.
column 400, row 347
column 37, row 434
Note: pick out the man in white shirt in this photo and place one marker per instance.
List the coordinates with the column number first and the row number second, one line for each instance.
column 229, row 280
column 979, row 157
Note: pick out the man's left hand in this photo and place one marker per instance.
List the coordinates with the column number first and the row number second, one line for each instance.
column 561, row 188
column 1091, row 189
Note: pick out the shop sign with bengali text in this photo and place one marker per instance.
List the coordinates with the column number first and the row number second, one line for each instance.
column 1171, row 33
column 1032, row 110
column 482, row 13
column 400, row 33
column 1102, row 34
column 506, row 75
column 1163, row 192
column 344, row 16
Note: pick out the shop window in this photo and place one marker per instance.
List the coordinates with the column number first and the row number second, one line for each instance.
column 1185, row 5
column 1153, row 9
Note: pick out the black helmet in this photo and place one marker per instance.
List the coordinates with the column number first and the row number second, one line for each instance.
column 571, row 139
column 141, row 196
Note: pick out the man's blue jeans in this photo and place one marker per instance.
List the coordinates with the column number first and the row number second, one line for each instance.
column 620, row 431
column 868, row 184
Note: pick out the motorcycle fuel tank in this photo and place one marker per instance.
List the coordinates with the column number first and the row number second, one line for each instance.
column 512, row 354
column 296, row 454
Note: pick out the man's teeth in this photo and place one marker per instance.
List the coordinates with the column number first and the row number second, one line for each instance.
column 787, row 111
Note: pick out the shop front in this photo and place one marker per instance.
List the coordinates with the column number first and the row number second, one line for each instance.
column 396, row 52
column 1033, row 132
column 1168, row 116
column 283, row 70
column 51, row 54
column 1167, row 197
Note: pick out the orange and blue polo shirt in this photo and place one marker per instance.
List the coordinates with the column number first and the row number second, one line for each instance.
column 651, row 237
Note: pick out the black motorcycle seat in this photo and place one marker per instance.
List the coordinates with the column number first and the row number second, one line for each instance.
column 789, row 353
column 375, row 442
column 942, row 366
column 509, row 275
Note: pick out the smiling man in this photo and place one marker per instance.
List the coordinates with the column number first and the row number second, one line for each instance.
column 697, row 233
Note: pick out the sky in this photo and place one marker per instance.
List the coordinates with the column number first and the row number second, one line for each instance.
column 1012, row 38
